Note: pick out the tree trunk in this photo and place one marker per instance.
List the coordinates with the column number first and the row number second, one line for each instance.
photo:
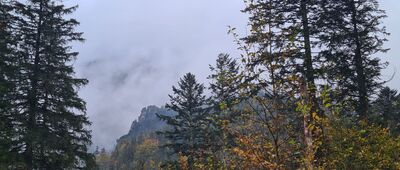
column 310, row 87
column 29, row 155
column 362, row 106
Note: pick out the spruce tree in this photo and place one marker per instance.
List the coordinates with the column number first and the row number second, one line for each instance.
column 52, row 123
column 187, row 129
column 6, row 128
column 353, row 35
column 225, row 79
column 386, row 110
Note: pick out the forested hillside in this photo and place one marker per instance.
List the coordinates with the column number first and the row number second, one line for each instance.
column 141, row 147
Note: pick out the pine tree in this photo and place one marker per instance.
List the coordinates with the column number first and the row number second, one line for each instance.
column 52, row 121
column 187, row 129
column 353, row 35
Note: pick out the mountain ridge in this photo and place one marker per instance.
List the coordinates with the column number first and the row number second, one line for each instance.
column 146, row 123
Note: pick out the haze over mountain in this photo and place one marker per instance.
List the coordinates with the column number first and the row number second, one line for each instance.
column 148, row 122
column 135, row 64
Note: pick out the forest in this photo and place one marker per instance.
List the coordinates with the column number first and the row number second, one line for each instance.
column 306, row 92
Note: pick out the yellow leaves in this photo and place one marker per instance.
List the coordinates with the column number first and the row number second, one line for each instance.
column 183, row 162
column 255, row 153
column 224, row 123
column 238, row 151
column 311, row 127
column 316, row 117
column 292, row 142
column 223, row 106
column 360, row 147
column 148, row 145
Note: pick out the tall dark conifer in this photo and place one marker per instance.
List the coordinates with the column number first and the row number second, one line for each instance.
column 187, row 133
column 353, row 35
column 52, row 123
column 6, row 128
column 386, row 110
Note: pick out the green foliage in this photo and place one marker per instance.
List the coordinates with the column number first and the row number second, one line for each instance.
column 3, row 53
column 39, row 88
column 386, row 110
column 353, row 35
column 224, row 88
column 187, row 132
column 348, row 146
column 224, row 85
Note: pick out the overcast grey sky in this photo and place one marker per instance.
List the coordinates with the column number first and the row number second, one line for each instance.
column 137, row 49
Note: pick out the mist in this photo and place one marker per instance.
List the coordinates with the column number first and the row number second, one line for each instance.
column 135, row 50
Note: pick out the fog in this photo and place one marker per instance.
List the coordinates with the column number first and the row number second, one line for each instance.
column 135, row 50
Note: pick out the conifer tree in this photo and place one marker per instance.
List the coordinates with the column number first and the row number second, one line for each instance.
column 224, row 96
column 6, row 128
column 353, row 35
column 224, row 81
column 52, row 123
column 386, row 110
column 187, row 129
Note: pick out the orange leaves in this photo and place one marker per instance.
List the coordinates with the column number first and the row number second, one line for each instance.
column 255, row 154
column 183, row 162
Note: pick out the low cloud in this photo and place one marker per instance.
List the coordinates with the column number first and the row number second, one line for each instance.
column 137, row 49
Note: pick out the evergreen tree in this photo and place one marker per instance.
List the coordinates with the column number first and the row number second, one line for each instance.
column 224, row 81
column 187, row 129
column 6, row 128
column 353, row 35
column 51, row 119
column 386, row 110
column 224, row 96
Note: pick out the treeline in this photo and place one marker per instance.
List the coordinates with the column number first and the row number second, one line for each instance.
column 306, row 93
column 43, row 124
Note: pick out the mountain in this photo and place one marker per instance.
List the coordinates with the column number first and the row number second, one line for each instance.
column 141, row 147
column 147, row 123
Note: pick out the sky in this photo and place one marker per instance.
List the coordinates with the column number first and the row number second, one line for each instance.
column 135, row 50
